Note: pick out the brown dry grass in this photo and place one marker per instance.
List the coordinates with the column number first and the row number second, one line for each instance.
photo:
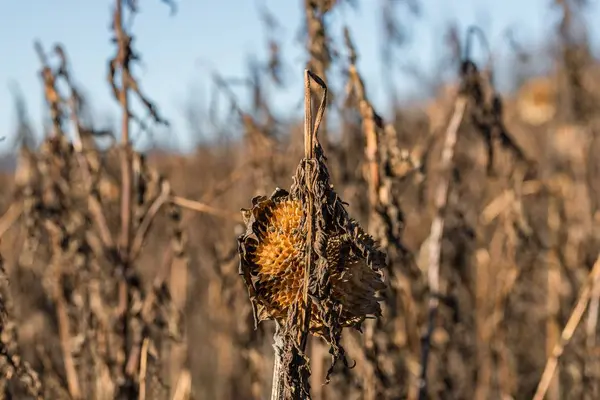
column 123, row 268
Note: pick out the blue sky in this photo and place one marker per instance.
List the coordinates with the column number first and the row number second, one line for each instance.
column 177, row 49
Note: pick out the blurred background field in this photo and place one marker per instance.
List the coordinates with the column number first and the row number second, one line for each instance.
column 522, row 216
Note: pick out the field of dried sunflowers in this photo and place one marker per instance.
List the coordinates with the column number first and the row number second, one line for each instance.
column 451, row 252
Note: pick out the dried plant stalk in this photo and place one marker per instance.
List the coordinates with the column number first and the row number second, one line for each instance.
column 278, row 383
column 435, row 236
column 553, row 293
column 317, row 43
column 382, row 159
column 307, row 264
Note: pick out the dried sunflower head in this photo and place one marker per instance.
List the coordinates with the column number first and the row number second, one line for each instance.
column 272, row 262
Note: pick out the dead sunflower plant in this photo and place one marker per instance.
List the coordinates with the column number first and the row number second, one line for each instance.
column 307, row 264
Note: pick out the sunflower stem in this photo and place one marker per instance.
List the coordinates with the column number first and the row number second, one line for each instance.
column 277, row 388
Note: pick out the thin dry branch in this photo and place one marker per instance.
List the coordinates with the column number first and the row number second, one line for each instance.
column 142, row 230
column 143, row 369
column 317, row 43
column 204, row 208
column 121, row 62
column 10, row 217
column 592, row 321
column 568, row 331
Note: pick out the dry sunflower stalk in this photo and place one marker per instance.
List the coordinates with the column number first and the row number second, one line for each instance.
column 307, row 264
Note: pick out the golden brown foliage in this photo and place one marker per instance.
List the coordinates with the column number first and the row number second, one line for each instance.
column 487, row 209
